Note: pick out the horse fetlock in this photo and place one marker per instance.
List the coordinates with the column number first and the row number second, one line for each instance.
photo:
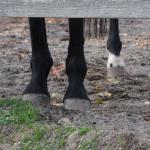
column 38, row 82
column 41, row 64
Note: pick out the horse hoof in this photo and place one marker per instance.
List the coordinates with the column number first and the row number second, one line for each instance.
column 77, row 104
column 117, row 72
column 40, row 100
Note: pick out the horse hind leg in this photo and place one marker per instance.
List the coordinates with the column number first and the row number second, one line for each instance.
column 115, row 63
column 41, row 62
column 76, row 97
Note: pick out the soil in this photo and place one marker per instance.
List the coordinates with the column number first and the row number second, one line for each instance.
column 119, row 106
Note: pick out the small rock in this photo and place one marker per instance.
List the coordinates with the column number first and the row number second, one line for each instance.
column 147, row 118
column 64, row 121
column 146, row 103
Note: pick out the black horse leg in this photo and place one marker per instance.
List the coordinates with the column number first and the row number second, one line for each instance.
column 76, row 97
column 114, row 45
column 41, row 62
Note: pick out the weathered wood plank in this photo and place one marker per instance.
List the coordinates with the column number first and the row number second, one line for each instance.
column 76, row 8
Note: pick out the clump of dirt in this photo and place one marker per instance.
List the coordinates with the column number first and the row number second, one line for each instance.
column 119, row 106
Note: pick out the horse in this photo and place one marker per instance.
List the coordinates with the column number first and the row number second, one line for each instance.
column 76, row 97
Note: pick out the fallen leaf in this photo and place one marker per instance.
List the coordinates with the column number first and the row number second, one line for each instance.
column 97, row 89
column 113, row 81
column 55, row 95
column 56, row 70
column 57, row 104
column 104, row 94
column 20, row 56
column 54, row 20
column 99, row 101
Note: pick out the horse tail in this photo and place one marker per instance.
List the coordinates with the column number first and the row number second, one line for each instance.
column 95, row 28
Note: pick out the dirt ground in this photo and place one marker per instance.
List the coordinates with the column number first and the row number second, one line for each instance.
column 119, row 106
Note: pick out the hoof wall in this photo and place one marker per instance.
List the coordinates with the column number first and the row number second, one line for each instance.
column 77, row 104
column 41, row 102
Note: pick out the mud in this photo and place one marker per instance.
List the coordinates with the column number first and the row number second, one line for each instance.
column 119, row 106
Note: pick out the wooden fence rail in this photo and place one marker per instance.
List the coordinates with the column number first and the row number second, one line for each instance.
column 76, row 8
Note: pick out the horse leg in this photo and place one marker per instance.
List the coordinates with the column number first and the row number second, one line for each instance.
column 114, row 47
column 41, row 62
column 76, row 97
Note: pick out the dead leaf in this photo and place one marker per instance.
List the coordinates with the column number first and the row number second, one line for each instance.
column 54, row 20
column 113, row 81
column 57, row 104
column 55, row 95
column 56, row 70
column 20, row 56
column 104, row 94
column 97, row 89
column 99, row 101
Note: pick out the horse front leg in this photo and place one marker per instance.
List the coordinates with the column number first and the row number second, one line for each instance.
column 115, row 63
column 76, row 97
column 41, row 62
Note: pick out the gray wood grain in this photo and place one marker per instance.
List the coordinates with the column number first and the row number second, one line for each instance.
column 76, row 8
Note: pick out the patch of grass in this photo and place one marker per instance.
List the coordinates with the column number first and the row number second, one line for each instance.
column 61, row 135
column 84, row 130
column 35, row 139
column 121, row 141
column 46, row 137
column 89, row 145
column 17, row 112
column 8, row 134
column 18, row 124
column 89, row 140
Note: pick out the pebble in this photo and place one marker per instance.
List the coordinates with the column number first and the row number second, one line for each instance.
column 64, row 121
